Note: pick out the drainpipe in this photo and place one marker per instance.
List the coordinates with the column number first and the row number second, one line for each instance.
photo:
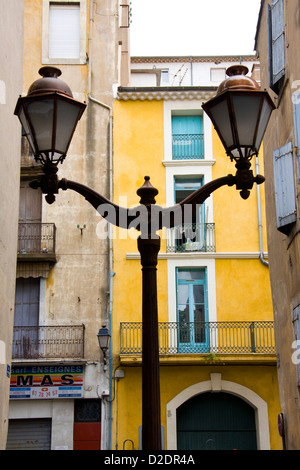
column 111, row 273
column 261, row 251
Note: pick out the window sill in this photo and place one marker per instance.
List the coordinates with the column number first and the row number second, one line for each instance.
column 192, row 162
column 60, row 61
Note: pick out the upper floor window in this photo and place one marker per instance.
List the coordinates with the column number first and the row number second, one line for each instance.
column 192, row 309
column 276, row 32
column 285, row 195
column 187, row 137
column 217, row 74
column 296, row 110
column 64, row 32
column 164, row 80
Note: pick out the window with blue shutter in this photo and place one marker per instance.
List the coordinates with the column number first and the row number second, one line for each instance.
column 276, row 44
column 192, row 311
column 296, row 109
column 285, row 196
column 191, row 235
column 187, row 137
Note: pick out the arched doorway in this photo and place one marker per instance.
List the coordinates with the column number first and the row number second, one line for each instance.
column 216, row 421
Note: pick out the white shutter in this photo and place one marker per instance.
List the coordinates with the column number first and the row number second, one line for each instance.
column 285, row 196
column 64, row 31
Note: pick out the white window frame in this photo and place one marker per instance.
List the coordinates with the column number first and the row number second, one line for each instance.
column 188, row 107
column 45, row 39
column 209, row 264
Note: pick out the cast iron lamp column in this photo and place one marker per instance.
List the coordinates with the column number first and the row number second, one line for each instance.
column 49, row 116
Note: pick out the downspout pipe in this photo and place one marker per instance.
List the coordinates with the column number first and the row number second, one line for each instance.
column 261, row 251
column 111, row 273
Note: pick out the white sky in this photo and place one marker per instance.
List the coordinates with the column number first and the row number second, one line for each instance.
column 193, row 27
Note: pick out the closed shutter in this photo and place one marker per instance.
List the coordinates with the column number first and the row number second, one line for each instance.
column 296, row 321
column 285, row 197
column 64, row 31
column 29, row 434
column 296, row 109
column 276, row 43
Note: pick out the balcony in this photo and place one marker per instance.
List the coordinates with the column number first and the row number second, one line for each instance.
column 190, row 238
column 48, row 342
column 36, row 241
column 223, row 338
column 187, row 146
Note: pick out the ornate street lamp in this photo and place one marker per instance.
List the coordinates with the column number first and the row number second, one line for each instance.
column 240, row 124
column 49, row 116
column 103, row 340
column 240, row 112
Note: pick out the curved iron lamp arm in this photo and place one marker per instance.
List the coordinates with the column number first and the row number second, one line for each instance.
column 149, row 217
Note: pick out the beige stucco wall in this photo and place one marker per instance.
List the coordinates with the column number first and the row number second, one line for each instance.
column 283, row 250
column 11, row 46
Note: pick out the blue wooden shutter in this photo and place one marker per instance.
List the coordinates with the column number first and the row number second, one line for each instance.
column 187, row 140
column 296, row 109
column 276, row 43
column 285, row 197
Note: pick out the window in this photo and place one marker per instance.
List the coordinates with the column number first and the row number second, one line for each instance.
column 194, row 234
column 64, row 32
column 217, row 74
column 285, row 197
column 164, row 80
column 276, row 32
column 296, row 109
column 26, row 317
column 187, row 137
column 192, row 313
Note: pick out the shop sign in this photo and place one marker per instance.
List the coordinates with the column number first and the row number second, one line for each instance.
column 46, row 382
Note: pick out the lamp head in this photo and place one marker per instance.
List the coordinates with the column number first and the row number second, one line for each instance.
column 49, row 116
column 240, row 112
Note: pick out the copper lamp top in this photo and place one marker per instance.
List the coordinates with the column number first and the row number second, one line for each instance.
column 49, row 83
column 238, row 80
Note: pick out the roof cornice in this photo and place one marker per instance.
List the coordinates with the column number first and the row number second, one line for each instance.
column 214, row 59
column 165, row 93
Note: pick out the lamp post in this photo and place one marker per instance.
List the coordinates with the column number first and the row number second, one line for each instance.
column 103, row 340
column 240, row 113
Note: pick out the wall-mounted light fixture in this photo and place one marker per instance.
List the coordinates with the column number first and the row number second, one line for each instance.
column 103, row 340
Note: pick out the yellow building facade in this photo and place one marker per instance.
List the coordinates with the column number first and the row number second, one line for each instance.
column 215, row 314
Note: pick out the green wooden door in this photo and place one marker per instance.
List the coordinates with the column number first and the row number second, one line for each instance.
column 216, row 421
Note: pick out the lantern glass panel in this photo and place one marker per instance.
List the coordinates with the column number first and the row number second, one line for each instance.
column 246, row 111
column 26, row 128
column 264, row 119
column 41, row 115
column 219, row 114
column 67, row 117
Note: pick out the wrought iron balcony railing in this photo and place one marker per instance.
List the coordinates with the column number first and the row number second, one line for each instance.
column 187, row 146
column 36, row 238
column 204, row 337
column 191, row 237
column 48, row 342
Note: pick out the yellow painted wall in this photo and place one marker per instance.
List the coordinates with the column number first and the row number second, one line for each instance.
column 173, row 380
column 242, row 285
column 138, row 152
